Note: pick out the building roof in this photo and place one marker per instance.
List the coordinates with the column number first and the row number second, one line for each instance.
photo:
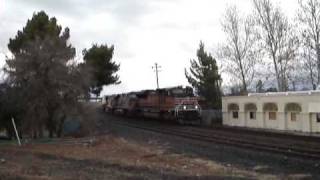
column 288, row 93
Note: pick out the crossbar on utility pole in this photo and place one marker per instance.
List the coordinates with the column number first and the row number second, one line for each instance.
column 157, row 67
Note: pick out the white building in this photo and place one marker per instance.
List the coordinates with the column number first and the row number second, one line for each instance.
column 292, row 111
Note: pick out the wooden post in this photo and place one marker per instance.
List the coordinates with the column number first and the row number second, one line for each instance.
column 15, row 129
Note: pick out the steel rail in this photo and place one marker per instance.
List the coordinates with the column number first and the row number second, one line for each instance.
column 222, row 139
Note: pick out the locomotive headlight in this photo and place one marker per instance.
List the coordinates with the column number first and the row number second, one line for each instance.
column 184, row 107
column 196, row 107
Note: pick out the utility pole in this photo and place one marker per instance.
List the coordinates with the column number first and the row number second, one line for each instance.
column 15, row 129
column 157, row 68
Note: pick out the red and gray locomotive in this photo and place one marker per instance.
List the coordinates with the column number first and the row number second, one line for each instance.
column 177, row 104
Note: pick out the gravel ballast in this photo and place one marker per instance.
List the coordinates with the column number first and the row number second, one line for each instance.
column 266, row 163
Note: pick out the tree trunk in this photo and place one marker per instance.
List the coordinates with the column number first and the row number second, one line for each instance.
column 293, row 86
column 34, row 133
column 10, row 132
column 60, row 126
column 50, row 133
column 244, row 84
column 314, row 87
column 277, row 72
column 41, row 132
column 318, row 61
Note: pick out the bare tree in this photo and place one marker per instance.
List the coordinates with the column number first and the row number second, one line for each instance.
column 309, row 21
column 309, row 61
column 278, row 39
column 239, row 51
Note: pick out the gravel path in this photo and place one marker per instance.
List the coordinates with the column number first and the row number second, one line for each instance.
column 260, row 162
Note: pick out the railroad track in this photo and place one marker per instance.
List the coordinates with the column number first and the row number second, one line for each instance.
column 227, row 139
column 286, row 140
column 64, row 141
column 263, row 132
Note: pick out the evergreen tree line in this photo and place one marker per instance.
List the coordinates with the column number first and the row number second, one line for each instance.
column 44, row 83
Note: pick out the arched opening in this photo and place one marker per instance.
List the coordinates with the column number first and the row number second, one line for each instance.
column 292, row 113
column 251, row 111
column 233, row 108
column 271, row 110
column 293, row 107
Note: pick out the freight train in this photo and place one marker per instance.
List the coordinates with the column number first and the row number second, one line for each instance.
column 177, row 104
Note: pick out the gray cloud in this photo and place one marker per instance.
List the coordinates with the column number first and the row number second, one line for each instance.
column 143, row 31
column 126, row 11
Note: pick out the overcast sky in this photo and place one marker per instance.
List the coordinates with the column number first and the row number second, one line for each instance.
column 143, row 32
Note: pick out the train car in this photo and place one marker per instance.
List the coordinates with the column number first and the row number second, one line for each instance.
column 109, row 102
column 177, row 103
column 120, row 104
column 126, row 104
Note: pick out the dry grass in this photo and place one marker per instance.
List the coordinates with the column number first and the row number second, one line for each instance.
column 110, row 158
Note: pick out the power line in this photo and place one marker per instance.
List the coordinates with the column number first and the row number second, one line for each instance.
column 157, row 70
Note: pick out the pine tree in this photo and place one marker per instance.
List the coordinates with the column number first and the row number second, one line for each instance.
column 42, row 71
column 98, row 61
column 205, row 78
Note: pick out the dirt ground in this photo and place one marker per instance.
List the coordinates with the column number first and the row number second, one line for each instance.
column 109, row 157
column 112, row 154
